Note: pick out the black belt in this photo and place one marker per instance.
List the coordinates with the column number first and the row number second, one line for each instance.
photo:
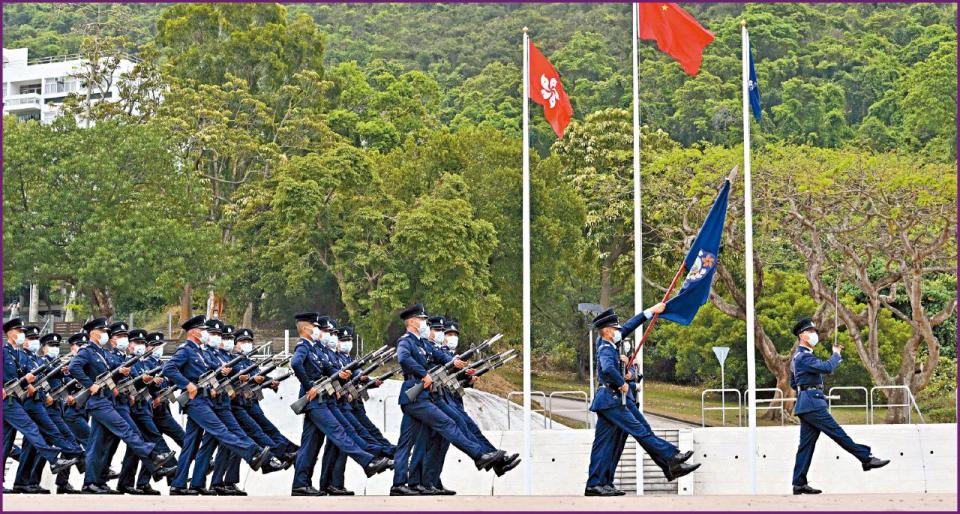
column 807, row 388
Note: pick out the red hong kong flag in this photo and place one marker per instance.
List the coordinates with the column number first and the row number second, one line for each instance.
column 676, row 33
column 546, row 90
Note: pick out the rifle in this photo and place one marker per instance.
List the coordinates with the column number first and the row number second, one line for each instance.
column 351, row 386
column 331, row 385
column 62, row 392
column 256, row 389
column 106, row 379
column 363, row 388
column 495, row 363
column 441, row 373
column 251, row 387
column 209, row 379
column 129, row 384
column 453, row 383
column 18, row 386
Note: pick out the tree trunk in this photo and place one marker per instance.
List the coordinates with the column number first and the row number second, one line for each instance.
column 185, row 303
column 100, row 303
column 248, row 315
column 215, row 305
column 33, row 314
column 68, row 313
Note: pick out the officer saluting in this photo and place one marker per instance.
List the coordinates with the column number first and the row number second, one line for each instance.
column 806, row 377
column 613, row 414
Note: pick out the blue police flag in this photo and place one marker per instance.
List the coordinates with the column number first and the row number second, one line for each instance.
column 753, row 87
column 701, row 263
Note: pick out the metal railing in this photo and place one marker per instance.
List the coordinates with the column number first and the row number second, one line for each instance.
column 723, row 408
column 542, row 410
column 584, row 409
column 912, row 402
column 865, row 405
column 777, row 398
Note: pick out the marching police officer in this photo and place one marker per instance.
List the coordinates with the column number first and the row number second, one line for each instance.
column 310, row 363
column 421, row 412
column 613, row 412
column 806, row 377
column 162, row 417
column 185, row 368
column 91, row 362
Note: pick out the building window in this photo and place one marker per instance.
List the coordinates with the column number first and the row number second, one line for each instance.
column 29, row 116
column 32, row 88
column 60, row 85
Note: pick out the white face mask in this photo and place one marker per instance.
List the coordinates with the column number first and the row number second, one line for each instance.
column 139, row 349
column 346, row 346
column 104, row 338
column 123, row 343
column 228, row 345
column 21, row 337
column 617, row 336
column 315, row 334
column 204, row 336
column 33, row 345
column 452, row 342
column 216, row 340
column 158, row 353
column 813, row 338
column 438, row 337
column 424, row 329
column 53, row 352
column 246, row 347
column 330, row 341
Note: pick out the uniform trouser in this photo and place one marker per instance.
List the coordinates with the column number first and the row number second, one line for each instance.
column 623, row 418
column 30, row 458
column 437, row 450
column 621, row 438
column 230, row 472
column 123, row 409
column 811, row 424
column 56, row 415
column 361, row 414
column 16, row 419
column 271, row 430
column 426, row 453
column 202, row 420
column 167, row 424
column 424, row 413
column 109, row 424
column 209, row 443
column 77, row 422
column 142, row 416
column 319, row 423
column 334, row 461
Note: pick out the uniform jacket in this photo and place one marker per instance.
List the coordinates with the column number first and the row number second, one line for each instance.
column 608, row 369
column 807, row 370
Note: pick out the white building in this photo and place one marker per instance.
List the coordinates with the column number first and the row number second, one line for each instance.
column 34, row 89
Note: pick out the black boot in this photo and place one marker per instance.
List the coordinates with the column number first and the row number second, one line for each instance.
column 805, row 489
column 306, row 491
column 377, row 465
column 183, row 491
column 402, row 490
column 487, row 460
column 597, row 490
column 874, row 463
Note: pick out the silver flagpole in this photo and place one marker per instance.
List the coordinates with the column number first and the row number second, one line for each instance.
column 527, row 439
column 637, row 216
column 748, row 235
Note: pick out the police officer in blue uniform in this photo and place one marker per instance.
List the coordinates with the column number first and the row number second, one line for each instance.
column 310, row 363
column 75, row 418
column 91, row 362
column 244, row 343
column 422, row 412
column 613, row 412
column 162, row 417
column 141, row 412
column 28, row 477
column 185, row 368
column 806, row 377
column 15, row 418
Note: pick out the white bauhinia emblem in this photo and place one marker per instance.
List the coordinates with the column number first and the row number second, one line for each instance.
column 750, row 85
column 549, row 90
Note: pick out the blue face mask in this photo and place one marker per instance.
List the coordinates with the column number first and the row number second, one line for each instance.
column 33, row 345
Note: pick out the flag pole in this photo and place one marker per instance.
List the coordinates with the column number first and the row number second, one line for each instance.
column 748, row 235
column 527, row 440
column 637, row 213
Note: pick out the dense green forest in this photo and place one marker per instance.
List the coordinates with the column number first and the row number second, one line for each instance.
column 355, row 158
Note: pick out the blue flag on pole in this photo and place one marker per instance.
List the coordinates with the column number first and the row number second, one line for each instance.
column 753, row 87
column 701, row 263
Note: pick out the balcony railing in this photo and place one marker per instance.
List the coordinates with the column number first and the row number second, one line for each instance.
column 23, row 102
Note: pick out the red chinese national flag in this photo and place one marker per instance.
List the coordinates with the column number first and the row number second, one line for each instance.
column 546, row 90
column 676, row 33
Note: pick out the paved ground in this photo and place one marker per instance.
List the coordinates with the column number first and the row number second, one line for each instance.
column 825, row 502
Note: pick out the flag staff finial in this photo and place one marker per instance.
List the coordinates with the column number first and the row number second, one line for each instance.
column 743, row 23
column 524, row 30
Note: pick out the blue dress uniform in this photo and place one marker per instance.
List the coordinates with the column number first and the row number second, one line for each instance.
column 31, row 464
column 186, row 367
column 806, row 377
column 320, row 422
column 162, row 417
column 612, row 414
column 422, row 412
column 74, row 416
column 15, row 418
column 91, row 362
